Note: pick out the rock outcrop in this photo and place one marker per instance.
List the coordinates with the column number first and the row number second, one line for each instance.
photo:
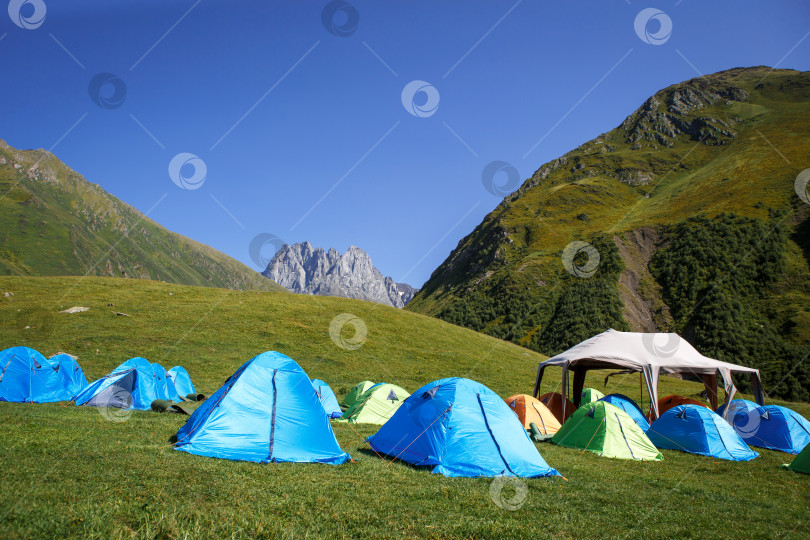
column 304, row 269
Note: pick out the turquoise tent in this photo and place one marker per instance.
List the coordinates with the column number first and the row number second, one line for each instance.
column 267, row 411
column 774, row 427
column 698, row 430
column 131, row 385
column 629, row 406
column 71, row 374
column 182, row 381
column 27, row 376
column 328, row 399
column 460, row 428
column 164, row 386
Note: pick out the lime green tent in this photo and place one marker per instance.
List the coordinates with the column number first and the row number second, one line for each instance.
column 355, row 393
column 589, row 395
column 606, row 430
column 802, row 462
column 376, row 405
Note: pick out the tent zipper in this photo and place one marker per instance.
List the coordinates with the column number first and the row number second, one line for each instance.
column 273, row 418
column 541, row 419
column 621, row 428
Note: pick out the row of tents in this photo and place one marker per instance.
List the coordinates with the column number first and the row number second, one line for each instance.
column 26, row 376
column 614, row 426
column 137, row 384
column 269, row 411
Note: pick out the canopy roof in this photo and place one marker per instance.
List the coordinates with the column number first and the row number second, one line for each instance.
column 649, row 353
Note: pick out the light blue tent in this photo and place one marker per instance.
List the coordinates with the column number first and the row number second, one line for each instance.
column 266, row 412
column 131, row 385
column 27, row 376
column 182, row 381
column 460, row 428
column 70, row 373
column 629, row 406
column 774, row 427
column 164, row 386
column 328, row 399
column 698, row 430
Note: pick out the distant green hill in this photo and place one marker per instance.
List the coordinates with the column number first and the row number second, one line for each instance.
column 212, row 332
column 690, row 205
column 54, row 222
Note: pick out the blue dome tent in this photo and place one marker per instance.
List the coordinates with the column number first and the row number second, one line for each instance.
column 131, row 385
column 629, row 406
column 267, row 411
column 182, row 381
column 460, row 428
column 27, row 376
column 698, row 430
column 164, row 386
column 774, row 427
column 328, row 399
column 70, row 373
column 734, row 406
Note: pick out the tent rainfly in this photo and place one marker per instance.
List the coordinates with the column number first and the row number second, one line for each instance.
column 651, row 354
column 460, row 428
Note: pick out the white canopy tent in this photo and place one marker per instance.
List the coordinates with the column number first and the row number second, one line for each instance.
column 651, row 354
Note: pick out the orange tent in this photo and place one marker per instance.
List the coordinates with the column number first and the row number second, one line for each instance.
column 554, row 401
column 666, row 403
column 530, row 410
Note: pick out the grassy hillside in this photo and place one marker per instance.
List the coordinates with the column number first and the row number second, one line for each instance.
column 67, row 471
column 54, row 222
column 700, row 177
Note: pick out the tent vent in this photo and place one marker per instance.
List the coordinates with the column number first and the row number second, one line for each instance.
column 430, row 394
column 590, row 413
column 392, row 396
column 513, row 404
column 37, row 365
column 682, row 414
column 766, row 415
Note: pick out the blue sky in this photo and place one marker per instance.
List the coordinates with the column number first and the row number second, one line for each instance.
column 303, row 132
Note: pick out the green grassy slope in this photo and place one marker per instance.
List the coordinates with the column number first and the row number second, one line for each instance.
column 54, row 222
column 728, row 143
column 67, row 471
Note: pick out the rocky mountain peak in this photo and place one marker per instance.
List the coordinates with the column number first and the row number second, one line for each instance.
column 303, row 269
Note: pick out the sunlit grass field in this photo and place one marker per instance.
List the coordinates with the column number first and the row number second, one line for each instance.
column 68, row 471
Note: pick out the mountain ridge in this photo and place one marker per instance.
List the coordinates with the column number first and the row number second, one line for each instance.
column 304, row 269
column 713, row 159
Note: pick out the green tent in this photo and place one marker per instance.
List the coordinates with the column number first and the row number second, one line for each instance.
column 802, row 462
column 376, row 405
column 606, row 430
column 589, row 395
column 355, row 393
